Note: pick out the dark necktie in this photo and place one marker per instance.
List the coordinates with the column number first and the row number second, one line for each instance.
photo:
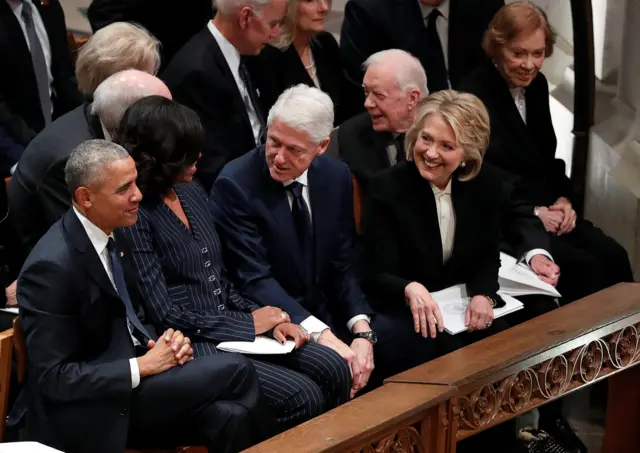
column 121, row 287
column 435, row 68
column 302, row 223
column 38, row 61
column 400, row 147
column 253, row 98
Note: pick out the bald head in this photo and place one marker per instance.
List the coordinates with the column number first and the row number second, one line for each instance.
column 114, row 96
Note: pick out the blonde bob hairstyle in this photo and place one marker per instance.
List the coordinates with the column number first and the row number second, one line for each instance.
column 513, row 20
column 288, row 25
column 469, row 119
column 114, row 48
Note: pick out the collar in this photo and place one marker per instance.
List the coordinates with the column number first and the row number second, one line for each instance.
column 228, row 51
column 97, row 237
column 443, row 8
column 302, row 179
column 106, row 134
column 16, row 6
column 437, row 192
column 517, row 92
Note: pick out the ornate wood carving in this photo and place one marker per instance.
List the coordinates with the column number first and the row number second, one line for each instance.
column 403, row 440
column 551, row 378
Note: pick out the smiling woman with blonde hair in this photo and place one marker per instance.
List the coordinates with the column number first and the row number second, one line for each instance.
column 433, row 221
column 303, row 53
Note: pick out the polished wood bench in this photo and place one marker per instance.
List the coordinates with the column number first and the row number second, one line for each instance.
column 496, row 379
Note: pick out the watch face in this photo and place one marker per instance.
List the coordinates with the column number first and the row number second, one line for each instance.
column 370, row 336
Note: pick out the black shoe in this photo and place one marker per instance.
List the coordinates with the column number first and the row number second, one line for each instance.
column 531, row 440
column 562, row 431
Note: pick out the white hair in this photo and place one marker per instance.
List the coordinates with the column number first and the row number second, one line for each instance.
column 229, row 7
column 113, row 97
column 408, row 69
column 87, row 161
column 306, row 109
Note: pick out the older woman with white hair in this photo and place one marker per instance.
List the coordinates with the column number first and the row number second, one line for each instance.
column 303, row 53
column 434, row 220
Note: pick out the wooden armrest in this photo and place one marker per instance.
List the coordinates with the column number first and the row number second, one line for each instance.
column 357, row 202
column 6, row 352
column 353, row 423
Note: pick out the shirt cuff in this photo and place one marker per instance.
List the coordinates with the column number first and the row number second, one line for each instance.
column 314, row 326
column 355, row 319
column 531, row 253
column 135, row 373
column 12, row 170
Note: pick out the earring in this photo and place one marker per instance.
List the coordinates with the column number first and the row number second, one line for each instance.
column 463, row 164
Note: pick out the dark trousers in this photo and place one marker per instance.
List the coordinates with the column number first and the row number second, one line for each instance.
column 297, row 386
column 589, row 261
column 211, row 401
column 399, row 347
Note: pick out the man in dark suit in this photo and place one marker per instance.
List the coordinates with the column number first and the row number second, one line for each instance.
column 209, row 76
column 445, row 35
column 394, row 84
column 172, row 22
column 99, row 382
column 36, row 83
column 285, row 213
column 38, row 194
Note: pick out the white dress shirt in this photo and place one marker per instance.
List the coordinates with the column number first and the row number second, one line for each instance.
column 232, row 57
column 312, row 324
column 446, row 219
column 99, row 240
column 518, row 95
column 442, row 26
column 41, row 32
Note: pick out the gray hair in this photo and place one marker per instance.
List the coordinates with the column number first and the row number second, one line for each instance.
column 229, row 7
column 87, row 161
column 112, row 98
column 112, row 49
column 408, row 69
column 304, row 108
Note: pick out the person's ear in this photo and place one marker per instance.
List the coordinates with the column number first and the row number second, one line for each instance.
column 244, row 16
column 322, row 147
column 84, row 197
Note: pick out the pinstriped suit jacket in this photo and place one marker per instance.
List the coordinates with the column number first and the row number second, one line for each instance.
column 180, row 273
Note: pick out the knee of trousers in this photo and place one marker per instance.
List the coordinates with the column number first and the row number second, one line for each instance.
column 234, row 371
column 334, row 377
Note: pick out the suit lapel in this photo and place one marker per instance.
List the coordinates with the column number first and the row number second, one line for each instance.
column 10, row 26
column 321, row 209
column 77, row 235
column 275, row 199
column 297, row 66
column 462, row 199
column 225, row 70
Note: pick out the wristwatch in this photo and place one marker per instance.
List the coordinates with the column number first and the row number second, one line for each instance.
column 536, row 211
column 370, row 336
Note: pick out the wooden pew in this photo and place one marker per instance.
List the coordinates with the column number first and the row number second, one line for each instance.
column 6, row 352
column 499, row 378
column 393, row 416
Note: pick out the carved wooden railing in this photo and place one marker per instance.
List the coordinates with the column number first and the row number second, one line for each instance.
column 495, row 380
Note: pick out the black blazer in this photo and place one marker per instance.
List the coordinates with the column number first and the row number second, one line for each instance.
column 78, row 342
column 526, row 150
column 181, row 276
column 364, row 149
column 370, row 26
column 172, row 22
column 275, row 70
column 255, row 222
column 401, row 236
column 38, row 193
column 199, row 77
column 19, row 101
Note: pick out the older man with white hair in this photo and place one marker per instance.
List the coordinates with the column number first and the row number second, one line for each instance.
column 394, row 83
column 285, row 212
column 38, row 195
column 209, row 76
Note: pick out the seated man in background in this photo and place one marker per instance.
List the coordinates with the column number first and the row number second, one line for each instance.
column 285, row 214
column 38, row 196
column 183, row 280
column 394, row 84
column 209, row 76
column 36, row 81
column 99, row 381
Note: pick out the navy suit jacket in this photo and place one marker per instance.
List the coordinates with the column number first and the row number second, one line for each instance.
column 254, row 219
column 78, row 342
column 180, row 274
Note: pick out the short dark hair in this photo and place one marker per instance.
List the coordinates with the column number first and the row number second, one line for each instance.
column 164, row 138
